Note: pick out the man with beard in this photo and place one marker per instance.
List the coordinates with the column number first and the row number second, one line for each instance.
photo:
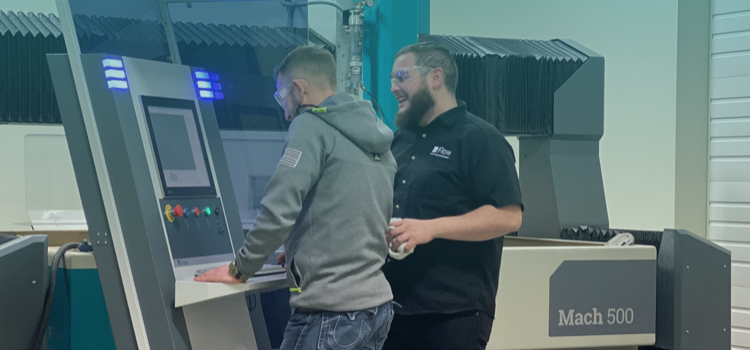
column 330, row 198
column 457, row 192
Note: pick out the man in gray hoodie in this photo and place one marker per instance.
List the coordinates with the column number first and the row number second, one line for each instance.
column 330, row 198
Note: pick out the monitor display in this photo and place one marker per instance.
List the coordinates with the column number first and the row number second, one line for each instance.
column 178, row 145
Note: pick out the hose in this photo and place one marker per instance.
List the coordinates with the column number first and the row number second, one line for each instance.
column 41, row 328
column 313, row 2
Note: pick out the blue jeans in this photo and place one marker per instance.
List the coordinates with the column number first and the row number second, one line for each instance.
column 363, row 329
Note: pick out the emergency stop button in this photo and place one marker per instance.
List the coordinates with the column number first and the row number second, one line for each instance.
column 170, row 212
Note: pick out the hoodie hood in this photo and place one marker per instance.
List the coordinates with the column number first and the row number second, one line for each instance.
column 356, row 120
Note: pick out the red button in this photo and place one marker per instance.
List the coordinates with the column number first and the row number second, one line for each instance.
column 197, row 212
column 178, row 210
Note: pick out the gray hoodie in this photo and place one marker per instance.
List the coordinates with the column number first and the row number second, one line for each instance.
column 330, row 198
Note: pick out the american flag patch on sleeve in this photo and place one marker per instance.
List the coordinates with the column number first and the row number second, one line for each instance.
column 291, row 157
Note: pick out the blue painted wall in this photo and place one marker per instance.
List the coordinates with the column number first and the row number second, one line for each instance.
column 389, row 26
column 79, row 319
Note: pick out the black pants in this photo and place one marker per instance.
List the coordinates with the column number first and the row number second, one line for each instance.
column 463, row 330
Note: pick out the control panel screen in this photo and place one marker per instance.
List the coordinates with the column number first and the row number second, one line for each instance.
column 178, row 146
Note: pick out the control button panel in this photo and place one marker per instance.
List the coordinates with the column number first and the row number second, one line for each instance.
column 195, row 227
column 193, row 214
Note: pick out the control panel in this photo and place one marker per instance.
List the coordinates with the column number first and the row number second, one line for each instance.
column 196, row 229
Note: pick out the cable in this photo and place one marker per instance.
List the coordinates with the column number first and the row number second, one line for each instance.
column 382, row 115
column 252, row 302
column 41, row 328
column 313, row 2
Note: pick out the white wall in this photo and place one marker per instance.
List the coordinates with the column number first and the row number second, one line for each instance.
column 323, row 19
column 36, row 175
column 638, row 39
column 729, row 167
column 691, row 158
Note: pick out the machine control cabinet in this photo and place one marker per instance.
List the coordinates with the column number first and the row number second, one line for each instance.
column 153, row 176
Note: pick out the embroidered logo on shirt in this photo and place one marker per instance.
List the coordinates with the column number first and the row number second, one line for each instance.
column 441, row 152
column 291, row 157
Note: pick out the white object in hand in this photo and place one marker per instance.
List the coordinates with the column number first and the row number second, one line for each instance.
column 399, row 253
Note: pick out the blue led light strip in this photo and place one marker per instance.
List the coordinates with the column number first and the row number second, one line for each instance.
column 111, row 63
column 114, row 73
column 201, row 75
column 117, row 84
column 207, row 84
column 202, row 84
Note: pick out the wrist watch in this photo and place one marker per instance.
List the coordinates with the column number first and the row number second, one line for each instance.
column 236, row 273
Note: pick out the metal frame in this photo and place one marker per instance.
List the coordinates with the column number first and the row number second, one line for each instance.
column 166, row 18
column 115, row 229
column 347, row 70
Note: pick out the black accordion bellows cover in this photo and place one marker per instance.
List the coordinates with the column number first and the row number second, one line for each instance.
column 511, row 83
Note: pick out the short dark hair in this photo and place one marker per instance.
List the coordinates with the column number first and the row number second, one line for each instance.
column 435, row 56
column 311, row 62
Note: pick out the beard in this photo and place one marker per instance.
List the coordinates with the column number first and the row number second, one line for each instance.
column 419, row 104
